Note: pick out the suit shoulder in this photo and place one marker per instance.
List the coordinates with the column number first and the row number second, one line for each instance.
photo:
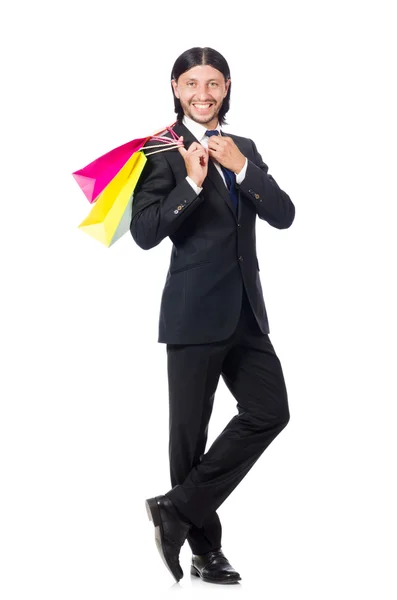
column 248, row 146
column 236, row 137
column 240, row 140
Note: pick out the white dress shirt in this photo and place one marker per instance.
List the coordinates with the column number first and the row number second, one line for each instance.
column 198, row 131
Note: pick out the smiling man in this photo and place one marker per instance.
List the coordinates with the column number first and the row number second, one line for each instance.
column 205, row 197
column 201, row 91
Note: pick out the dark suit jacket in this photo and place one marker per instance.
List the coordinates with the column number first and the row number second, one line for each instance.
column 214, row 250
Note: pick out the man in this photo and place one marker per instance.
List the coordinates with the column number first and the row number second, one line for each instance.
column 205, row 197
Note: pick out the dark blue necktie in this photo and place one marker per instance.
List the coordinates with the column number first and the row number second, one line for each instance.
column 230, row 177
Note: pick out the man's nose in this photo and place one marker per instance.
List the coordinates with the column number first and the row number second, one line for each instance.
column 202, row 92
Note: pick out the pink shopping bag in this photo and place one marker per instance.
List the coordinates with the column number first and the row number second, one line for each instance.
column 94, row 177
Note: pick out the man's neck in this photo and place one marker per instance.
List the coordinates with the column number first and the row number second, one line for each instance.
column 198, row 129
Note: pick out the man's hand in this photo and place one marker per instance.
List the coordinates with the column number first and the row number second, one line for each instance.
column 223, row 149
column 196, row 161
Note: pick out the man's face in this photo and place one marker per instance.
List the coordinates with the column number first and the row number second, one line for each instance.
column 201, row 91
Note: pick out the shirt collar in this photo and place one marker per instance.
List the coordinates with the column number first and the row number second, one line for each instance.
column 196, row 129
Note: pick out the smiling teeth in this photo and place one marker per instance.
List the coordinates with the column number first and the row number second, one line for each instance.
column 202, row 105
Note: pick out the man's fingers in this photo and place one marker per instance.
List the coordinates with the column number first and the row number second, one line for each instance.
column 217, row 150
column 215, row 155
column 215, row 145
column 194, row 147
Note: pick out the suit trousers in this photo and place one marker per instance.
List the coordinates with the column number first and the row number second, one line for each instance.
column 252, row 372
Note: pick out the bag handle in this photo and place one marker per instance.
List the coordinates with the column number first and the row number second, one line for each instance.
column 170, row 144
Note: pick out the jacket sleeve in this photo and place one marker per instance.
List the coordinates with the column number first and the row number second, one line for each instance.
column 271, row 203
column 160, row 205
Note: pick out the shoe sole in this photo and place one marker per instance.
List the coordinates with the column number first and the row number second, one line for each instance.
column 153, row 512
column 195, row 572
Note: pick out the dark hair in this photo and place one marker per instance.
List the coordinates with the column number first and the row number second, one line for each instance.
column 201, row 56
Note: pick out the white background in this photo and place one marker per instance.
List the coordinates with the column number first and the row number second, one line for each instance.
column 84, row 414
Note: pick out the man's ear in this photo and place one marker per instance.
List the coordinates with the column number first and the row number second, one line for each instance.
column 228, row 82
column 175, row 87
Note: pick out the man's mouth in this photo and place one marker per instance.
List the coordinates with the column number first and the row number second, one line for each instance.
column 202, row 107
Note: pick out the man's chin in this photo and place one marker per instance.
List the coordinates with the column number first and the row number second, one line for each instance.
column 202, row 119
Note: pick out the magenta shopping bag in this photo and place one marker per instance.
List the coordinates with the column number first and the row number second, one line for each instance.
column 96, row 176
column 93, row 178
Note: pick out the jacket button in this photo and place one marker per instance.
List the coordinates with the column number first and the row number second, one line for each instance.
column 238, row 224
column 240, row 258
column 176, row 212
column 257, row 196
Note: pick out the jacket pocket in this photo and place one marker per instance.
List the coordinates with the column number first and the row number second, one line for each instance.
column 190, row 266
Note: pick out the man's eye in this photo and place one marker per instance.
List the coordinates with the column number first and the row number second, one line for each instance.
column 190, row 83
column 213, row 84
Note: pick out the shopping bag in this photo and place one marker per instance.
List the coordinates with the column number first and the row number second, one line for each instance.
column 110, row 215
column 94, row 177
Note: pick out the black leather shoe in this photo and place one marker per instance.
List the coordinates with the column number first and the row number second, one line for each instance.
column 214, row 567
column 170, row 532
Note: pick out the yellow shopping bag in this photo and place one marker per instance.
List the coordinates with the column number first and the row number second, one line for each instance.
column 110, row 215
